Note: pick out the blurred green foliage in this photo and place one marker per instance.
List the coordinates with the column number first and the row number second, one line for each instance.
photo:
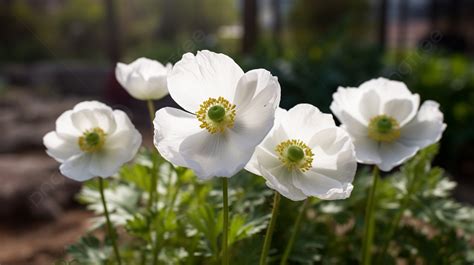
column 186, row 224
column 73, row 30
column 312, row 21
column 77, row 29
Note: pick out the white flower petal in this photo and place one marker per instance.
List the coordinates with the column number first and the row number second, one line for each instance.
column 427, row 127
column 172, row 127
column 59, row 148
column 394, row 154
column 77, row 167
column 125, row 141
column 346, row 99
column 84, row 120
column 196, row 78
column 366, row 150
column 388, row 89
column 105, row 120
column 320, row 186
column 136, row 85
column 121, row 73
column 334, row 154
column 120, row 148
column 282, row 184
column 403, row 110
column 92, row 114
column 257, row 98
column 369, row 105
column 274, row 137
column 122, row 121
column 144, row 78
column 216, row 155
column 91, row 105
column 105, row 164
column 158, row 87
column 353, row 126
column 252, row 166
column 304, row 120
column 332, row 140
column 277, row 176
column 257, row 88
column 267, row 159
column 65, row 128
column 341, row 167
column 148, row 68
column 346, row 105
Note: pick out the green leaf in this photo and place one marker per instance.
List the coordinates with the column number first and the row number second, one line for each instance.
column 138, row 175
column 89, row 250
column 139, row 226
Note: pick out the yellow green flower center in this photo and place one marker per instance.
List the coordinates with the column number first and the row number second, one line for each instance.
column 92, row 140
column 216, row 115
column 384, row 128
column 295, row 154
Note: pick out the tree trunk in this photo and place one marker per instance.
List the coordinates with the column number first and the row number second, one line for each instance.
column 250, row 11
column 111, row 27
column 168, row 29
column 434, row 14
column 277, row 23
column 382, row 34
column 454, row 15
column 402, row 25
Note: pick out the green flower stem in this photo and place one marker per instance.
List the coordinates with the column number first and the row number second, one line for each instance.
column 268, row 237
column 369, row 220
column 225, row 231
column 398, row 217
column 153, row 199
column 154, row 181
column 151, row 111
column 296, row 228
column 152, row 203
column 111, row 231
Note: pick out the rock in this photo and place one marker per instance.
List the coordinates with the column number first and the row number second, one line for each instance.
column 42, row 243
column 33, row 188
column 24, row 119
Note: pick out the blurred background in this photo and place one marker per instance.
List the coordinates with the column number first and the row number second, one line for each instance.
column 55, row 53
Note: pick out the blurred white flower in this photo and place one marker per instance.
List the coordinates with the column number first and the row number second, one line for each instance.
column 384, row 122
column 227, row 114
column 92, row 140
column 144, row 78
column 306, row 154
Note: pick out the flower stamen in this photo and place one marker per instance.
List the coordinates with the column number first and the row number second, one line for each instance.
column 216, row 115
column 92, row 140
column 384, row 128
column 295, row 154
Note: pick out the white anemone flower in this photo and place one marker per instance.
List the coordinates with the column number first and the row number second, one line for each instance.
column 306, row 155
column 227, row 113
column 384, row 121
column 92, row 140
column 144, row 79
